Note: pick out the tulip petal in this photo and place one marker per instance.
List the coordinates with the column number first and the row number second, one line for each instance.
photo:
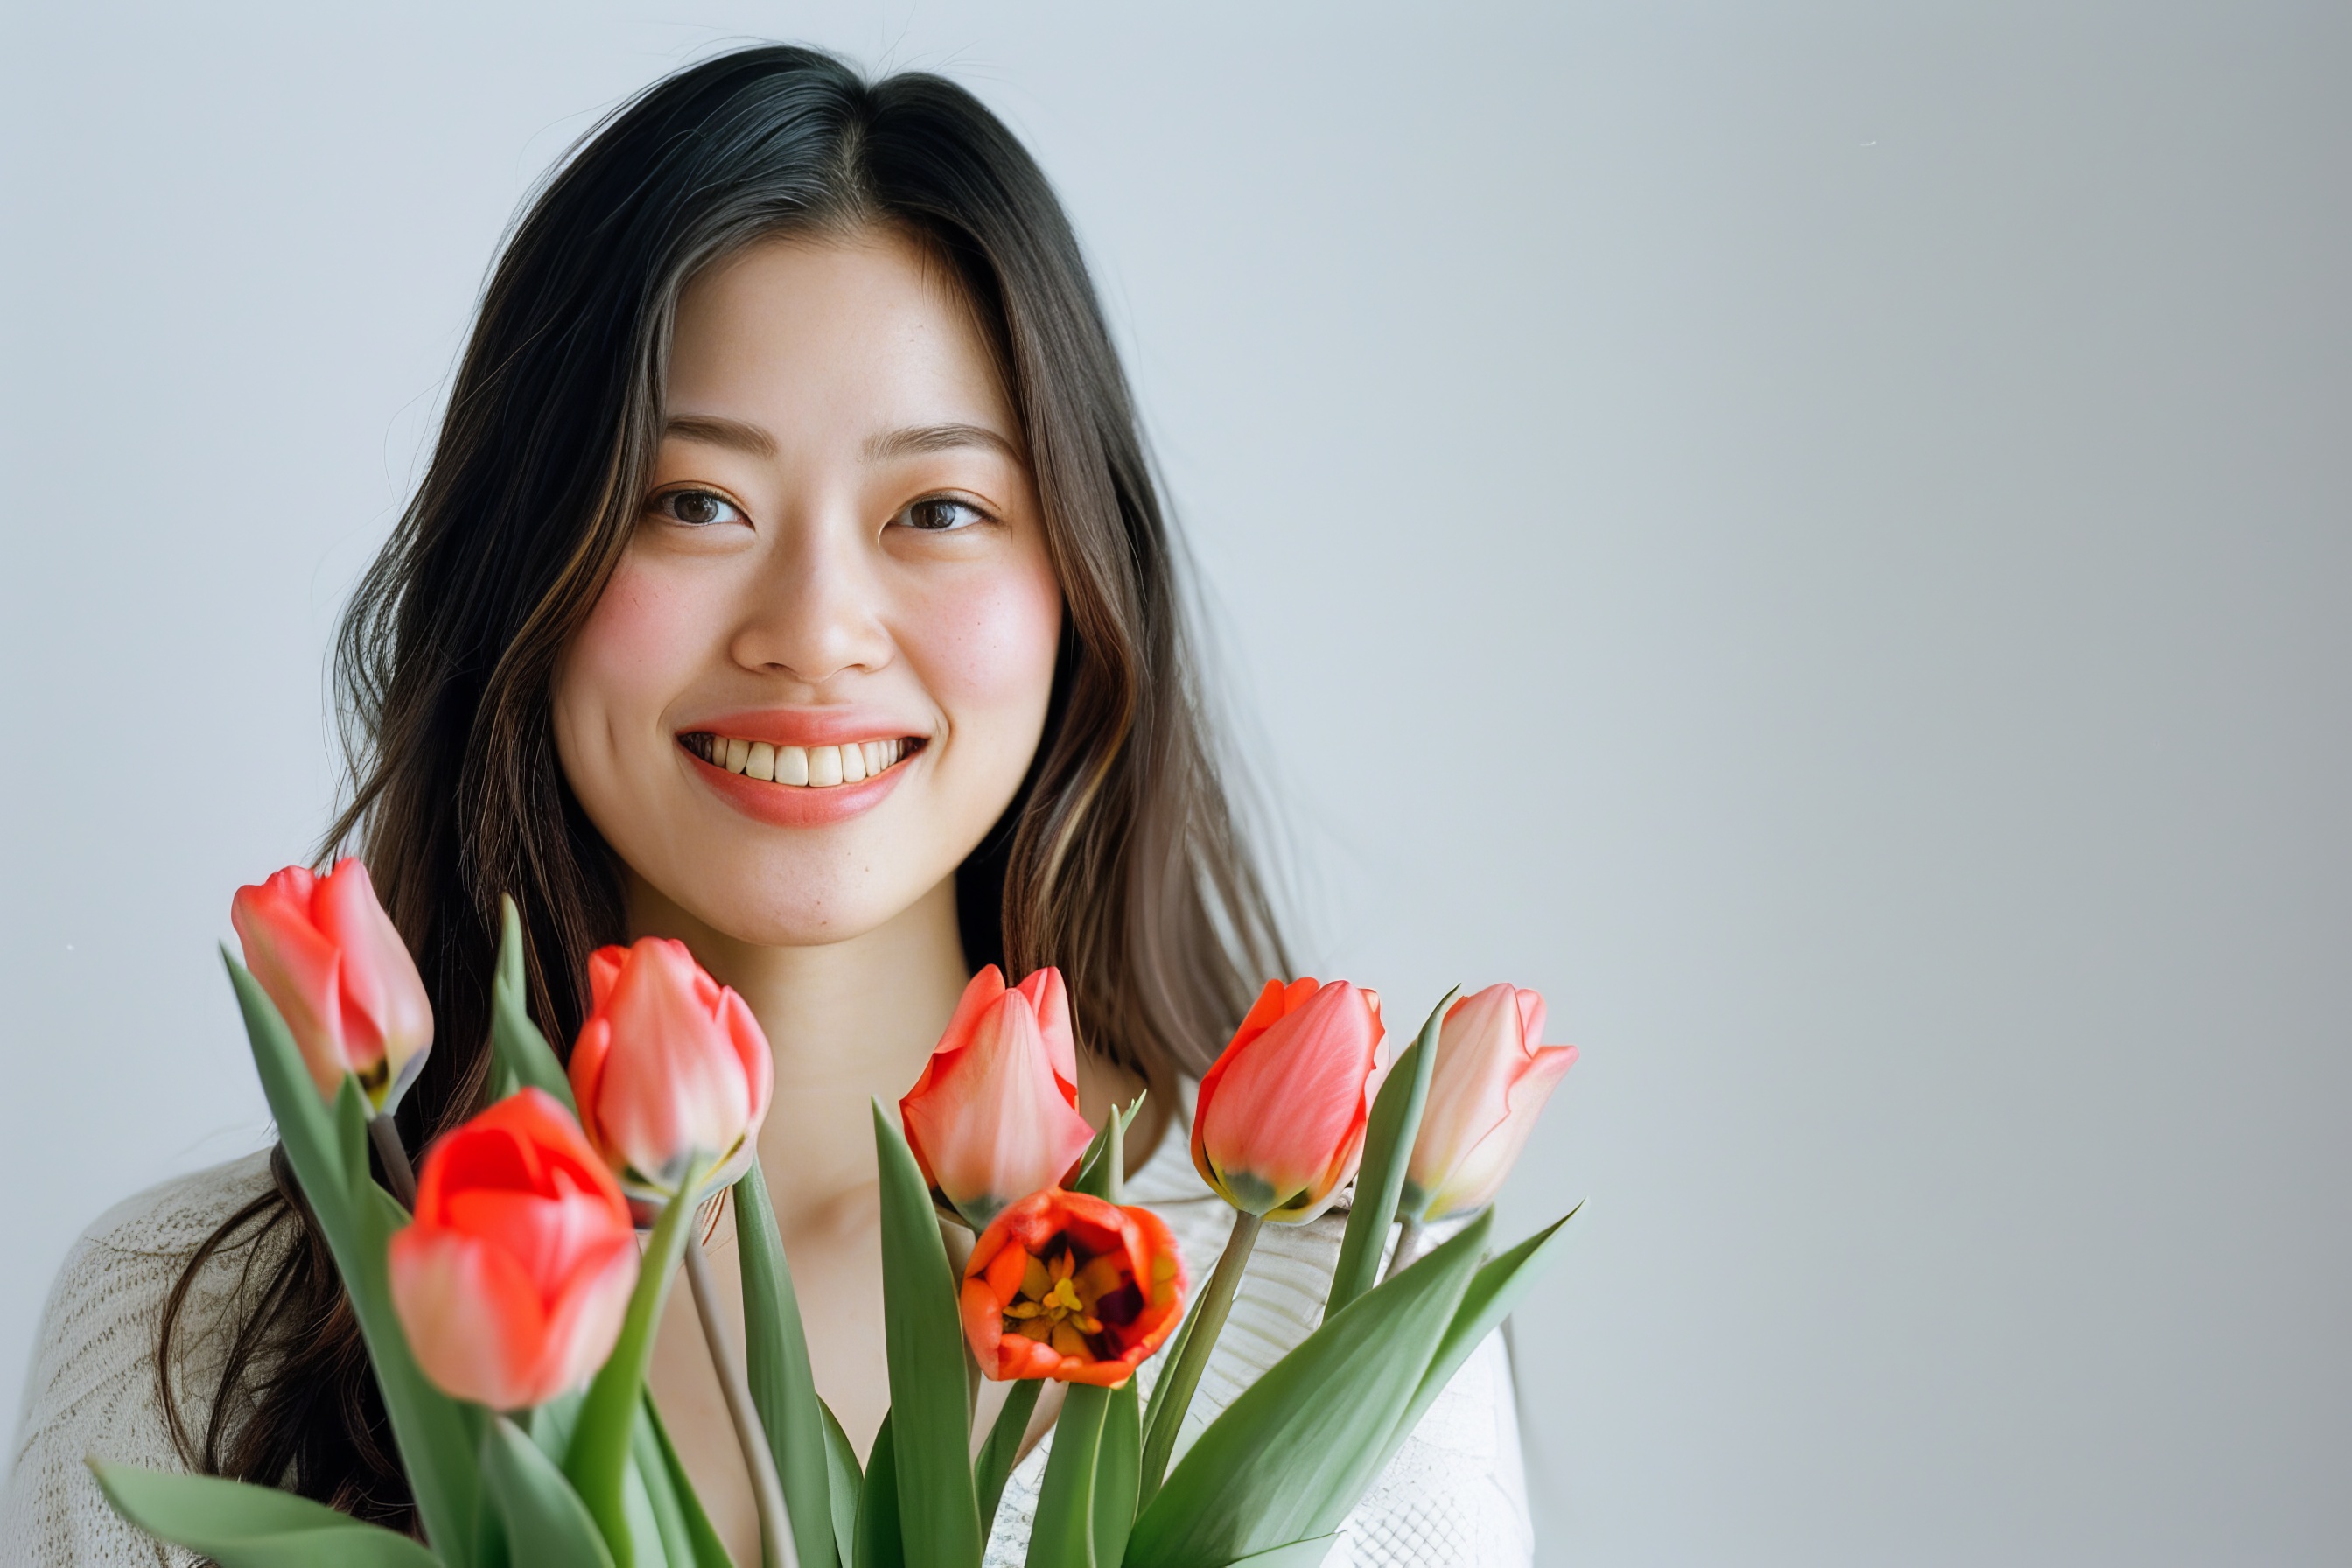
column 1283, row 1125
column 670, row 1065
column 299, row 968
column 386, row 1017
column 473, row 1320
column 994, row 1115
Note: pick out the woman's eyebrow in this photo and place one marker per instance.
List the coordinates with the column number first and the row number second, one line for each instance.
column 717, row 432
column 918, row 438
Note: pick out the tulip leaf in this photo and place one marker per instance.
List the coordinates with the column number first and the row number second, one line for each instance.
column 1117, row 1473
column 438, row 1436
column 1098, row 1174
column 848, row 1483
column 1388, row 1151
column 923, row 1333
column 1288, row 1458
column 878, row 1542
column 519, row 1052
column 551, row 1424
column 1064, row 1533
column 648, row 1546
column 702, row 1536
column 776, row 1363
column 1002, row 1450
column 1297, row 1555
column 597, row 1459
column 666, row 1508
column 539, row 1506
column 240, row 1525
column 1494, row 1291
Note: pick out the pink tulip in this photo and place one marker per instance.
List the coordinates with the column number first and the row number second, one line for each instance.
column 995, row 1115
column 670, row 1067
column 1279, row 1127
column 515, row 1277
column 327, row 954
column 1489, row 1084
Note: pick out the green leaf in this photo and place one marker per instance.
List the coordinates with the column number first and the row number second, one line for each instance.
column 542, row 1510
column 847, row 1483
column 243, row 1526
column 1098, row 1173
column 598, row 1458
column 776, row 1365
column 551, row 1425
column 438, row 1437
column 648, row 1547
column 1297, row 1555
column 518, row 1051
column 1002, row 1450
column 1288, row 1458
column 879, row 1543
column 1495, row 1290
column 1064, row 1533
column 930, row 1418
column 706, row 1550
column 1117, row 1473
column 662, row 1506
column 1388, row 1151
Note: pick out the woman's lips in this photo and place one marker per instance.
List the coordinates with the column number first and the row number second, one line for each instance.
column 798, row 786
column 790, row 806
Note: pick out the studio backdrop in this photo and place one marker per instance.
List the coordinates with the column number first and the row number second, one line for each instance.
column 1819, row 536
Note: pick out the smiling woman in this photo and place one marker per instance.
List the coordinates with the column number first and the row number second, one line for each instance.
column 789, row 582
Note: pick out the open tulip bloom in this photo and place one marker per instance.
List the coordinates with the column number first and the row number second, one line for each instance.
column 510, row 1320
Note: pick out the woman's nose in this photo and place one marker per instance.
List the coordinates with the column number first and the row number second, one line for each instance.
column 815, row 608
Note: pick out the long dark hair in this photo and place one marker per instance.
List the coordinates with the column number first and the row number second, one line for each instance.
column 1118, row 860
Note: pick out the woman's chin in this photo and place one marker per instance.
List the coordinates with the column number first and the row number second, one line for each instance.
column 770, row 901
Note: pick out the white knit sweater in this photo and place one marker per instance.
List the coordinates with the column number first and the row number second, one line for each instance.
column 1455, row 1497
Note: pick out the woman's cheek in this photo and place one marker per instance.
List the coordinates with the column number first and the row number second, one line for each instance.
column 987, row 650
column 622, row 665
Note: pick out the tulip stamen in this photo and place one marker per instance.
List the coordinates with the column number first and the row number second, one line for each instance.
column 1063, row 1300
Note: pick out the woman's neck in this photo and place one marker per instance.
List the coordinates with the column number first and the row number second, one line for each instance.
column 850, row 1022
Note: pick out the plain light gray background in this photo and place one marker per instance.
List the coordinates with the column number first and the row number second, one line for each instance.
column 1816, row 536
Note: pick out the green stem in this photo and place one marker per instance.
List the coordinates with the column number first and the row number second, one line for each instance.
column 1175, row 1395
column 1408, row 1247
column 394, row 1155
column 998, row 1455
column 599, row 1453
column 776, row 1549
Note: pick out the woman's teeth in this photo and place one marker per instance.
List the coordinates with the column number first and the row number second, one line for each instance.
column 816, row 767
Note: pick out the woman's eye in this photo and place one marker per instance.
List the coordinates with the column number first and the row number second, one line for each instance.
column 941, row 514
column 698, row 508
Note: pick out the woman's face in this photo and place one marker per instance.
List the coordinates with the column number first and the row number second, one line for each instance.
column 820, row 668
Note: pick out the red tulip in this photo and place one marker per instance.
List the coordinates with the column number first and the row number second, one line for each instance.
column 995, row 1115
column 1280, row 1126
column 327, row 954
column 670, row 1067
column 1489, row 1084
column 514, row 1278
column 1070, row 1287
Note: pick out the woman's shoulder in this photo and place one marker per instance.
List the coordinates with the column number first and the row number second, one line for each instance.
column 94, row 1388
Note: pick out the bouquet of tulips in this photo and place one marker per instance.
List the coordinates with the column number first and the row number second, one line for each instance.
column 509, row 1300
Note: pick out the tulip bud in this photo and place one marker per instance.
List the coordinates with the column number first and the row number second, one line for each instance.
column 669, row 1068
column 1279, row 1125
column 995, row 1115
column 1071, row 1286
column 514, row 1278
column 327, row 954
column 1489, row 1084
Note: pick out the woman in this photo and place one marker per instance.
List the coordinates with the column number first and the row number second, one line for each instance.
column 788, row 579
